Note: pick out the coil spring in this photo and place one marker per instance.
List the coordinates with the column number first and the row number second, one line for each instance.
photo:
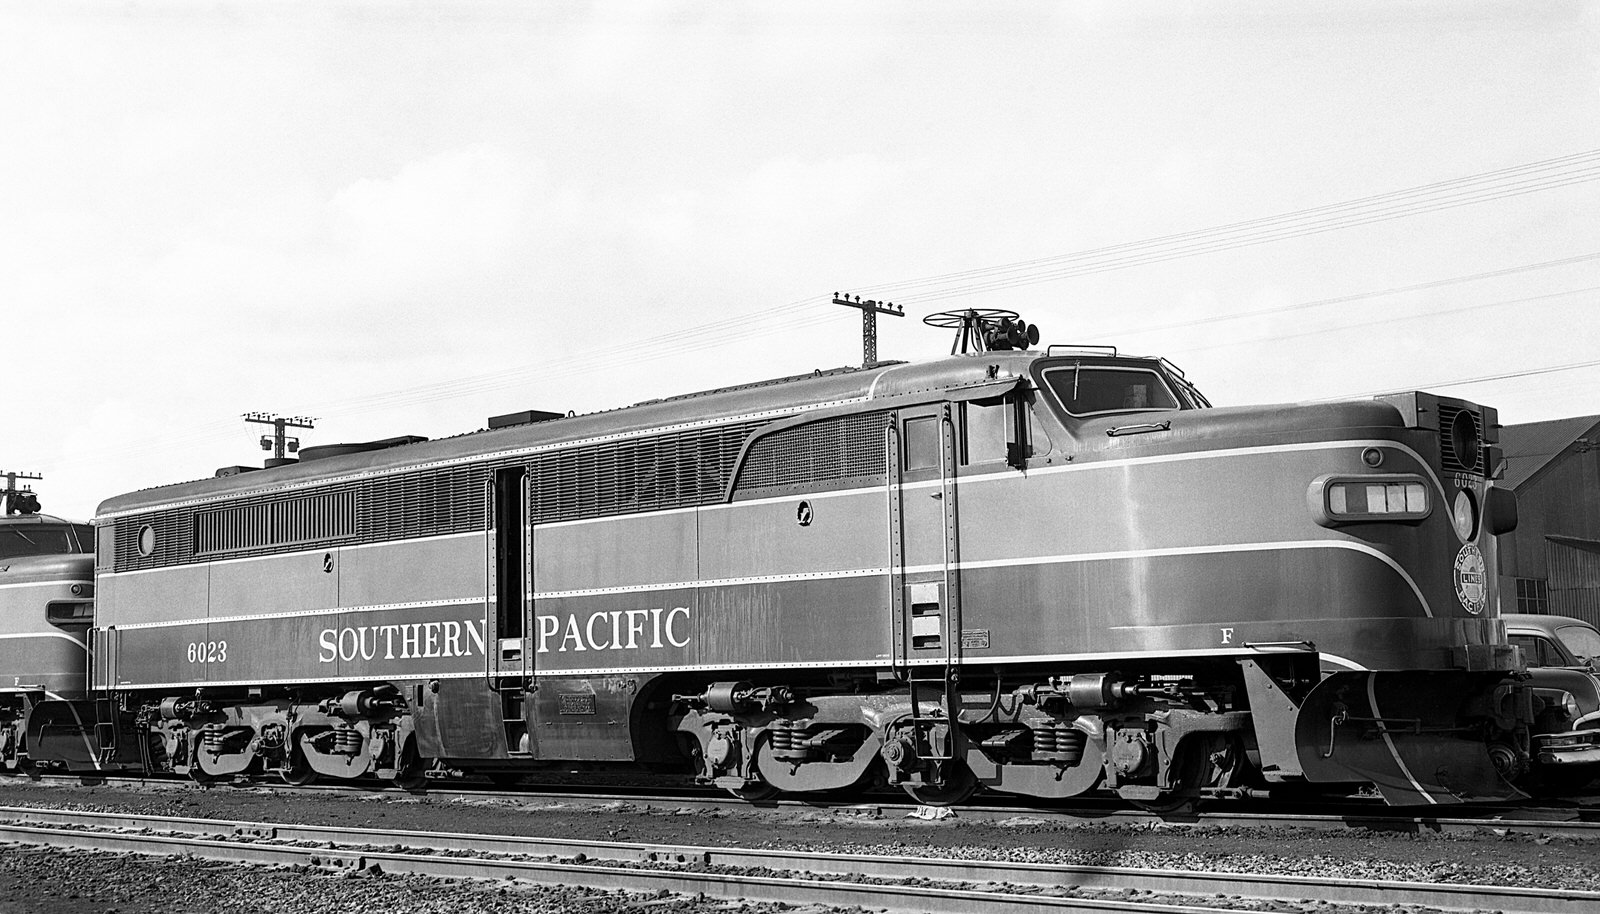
column 1059, row 744
column 346, row 741
column 213, row 740
column 788, row 744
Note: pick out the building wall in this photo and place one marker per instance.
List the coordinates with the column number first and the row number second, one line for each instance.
column 1562, row 500
column 1574, row 583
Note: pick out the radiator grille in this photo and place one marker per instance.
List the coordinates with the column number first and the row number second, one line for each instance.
column 828, row 449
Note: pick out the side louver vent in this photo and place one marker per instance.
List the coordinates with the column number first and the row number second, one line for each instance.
column 828, row 449
column 169, row 536
column 677, row 470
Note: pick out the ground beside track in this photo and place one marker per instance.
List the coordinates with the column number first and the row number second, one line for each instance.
column 100, row 884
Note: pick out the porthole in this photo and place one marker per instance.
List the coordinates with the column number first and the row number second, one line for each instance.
column 147, row 540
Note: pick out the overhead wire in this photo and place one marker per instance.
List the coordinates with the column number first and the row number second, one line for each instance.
column 803, row 312
column 1567, row 170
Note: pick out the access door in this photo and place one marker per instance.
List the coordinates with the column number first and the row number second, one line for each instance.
column 508, row 574
column 921, row 453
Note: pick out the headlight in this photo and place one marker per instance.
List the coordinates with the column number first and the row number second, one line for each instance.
column 1355, row 499
column 1464, row 515
column 1569, row 704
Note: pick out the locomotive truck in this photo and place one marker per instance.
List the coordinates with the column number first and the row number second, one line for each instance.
column 1039, row 572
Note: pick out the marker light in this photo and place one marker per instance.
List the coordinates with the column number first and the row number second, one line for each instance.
column 1358, row 499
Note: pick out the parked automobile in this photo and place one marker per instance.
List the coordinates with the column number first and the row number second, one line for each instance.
column 1563, row 656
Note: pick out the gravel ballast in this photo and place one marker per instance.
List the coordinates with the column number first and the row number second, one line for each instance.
column 56, row 882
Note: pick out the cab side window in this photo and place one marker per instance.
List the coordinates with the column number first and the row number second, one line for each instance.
column 988, row 428
column 922, row 443
column 999, row 429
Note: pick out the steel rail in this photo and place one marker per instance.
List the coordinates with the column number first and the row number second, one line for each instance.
column 352, row 847
column 1574, row 822
column 1365, row 818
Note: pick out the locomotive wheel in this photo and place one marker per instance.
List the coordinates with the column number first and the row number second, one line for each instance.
column 413, row 774
column 759, row 792
column 411, row 779
column 958, row 787
column 1216, row 761
column 1171, row 804
column 297, row 773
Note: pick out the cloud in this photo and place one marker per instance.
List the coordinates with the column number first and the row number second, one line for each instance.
column 455, row 210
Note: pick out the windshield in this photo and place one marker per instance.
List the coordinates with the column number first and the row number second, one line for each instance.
column 1581, row 640
column 43, row 539
column 1084, row 390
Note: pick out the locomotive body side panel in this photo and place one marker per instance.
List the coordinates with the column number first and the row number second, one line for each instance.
column 404, row 608
column 291, row 584
column 1194, row 554
column 440, row 568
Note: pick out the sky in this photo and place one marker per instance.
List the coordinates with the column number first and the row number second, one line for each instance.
column 402, row 218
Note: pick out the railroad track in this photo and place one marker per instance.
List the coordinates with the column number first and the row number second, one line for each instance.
column 872, row 882
column 1573, row 822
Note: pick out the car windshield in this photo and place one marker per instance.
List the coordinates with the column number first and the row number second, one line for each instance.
column 1091, row 390
column 42, row 539
column 1581, row 640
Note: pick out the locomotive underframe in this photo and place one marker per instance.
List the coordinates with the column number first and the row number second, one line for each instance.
column 1155, row 737
column 1159, row 735
column 1025, row 732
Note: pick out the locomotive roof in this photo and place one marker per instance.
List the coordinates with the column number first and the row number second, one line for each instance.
column 764, row 399
column 35, row 519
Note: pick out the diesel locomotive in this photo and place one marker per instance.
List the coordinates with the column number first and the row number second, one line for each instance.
column 46, row 605
column 1040, row 572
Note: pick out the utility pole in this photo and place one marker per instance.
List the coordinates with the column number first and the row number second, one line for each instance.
column 19, row 501
column 869, row 323
column 278, row 442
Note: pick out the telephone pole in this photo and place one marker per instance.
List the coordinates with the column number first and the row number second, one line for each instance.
column 278, row 442
column 19, row 501
column 869, row 323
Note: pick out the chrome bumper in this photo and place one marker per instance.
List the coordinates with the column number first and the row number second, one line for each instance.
column 1575, row 747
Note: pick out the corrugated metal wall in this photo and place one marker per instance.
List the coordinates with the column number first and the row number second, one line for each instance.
column 1574, row 582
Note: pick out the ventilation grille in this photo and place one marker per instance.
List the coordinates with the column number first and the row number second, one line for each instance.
column 428, row 503
column 677, row 470
column 282, row 521
column 680, row 470
column 171, row 539
column 829, row 449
